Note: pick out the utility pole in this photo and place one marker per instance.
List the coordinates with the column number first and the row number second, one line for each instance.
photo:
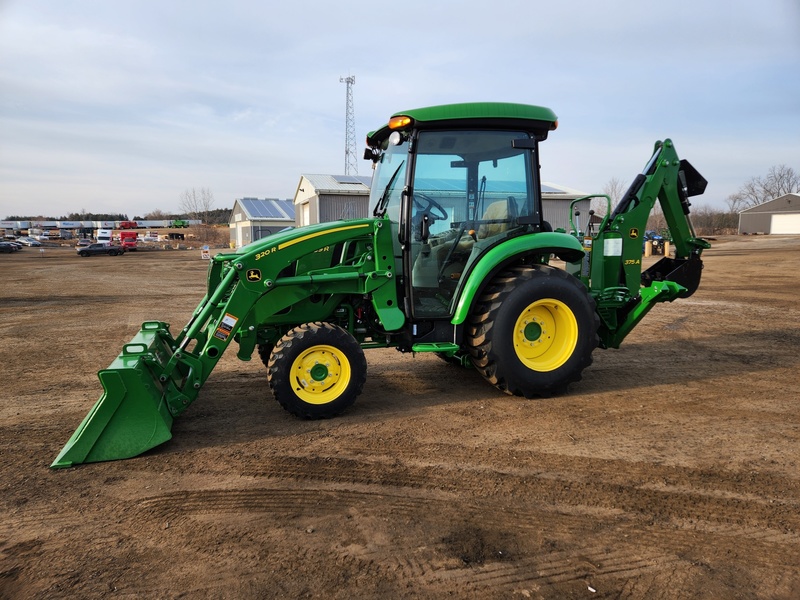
column 350, row 158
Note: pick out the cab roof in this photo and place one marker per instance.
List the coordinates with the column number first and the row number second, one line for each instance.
column 537, row 119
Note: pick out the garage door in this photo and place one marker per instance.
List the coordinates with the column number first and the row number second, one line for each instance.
column 785, row 224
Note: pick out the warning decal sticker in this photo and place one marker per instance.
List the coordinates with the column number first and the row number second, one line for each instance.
column 225, row 327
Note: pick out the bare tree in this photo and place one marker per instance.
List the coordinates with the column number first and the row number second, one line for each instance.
column 614, row 189
column 657, row 221
column 782, row 180
column 196, row 204
column 156, row 215
column 709, row 221
column 779, row 181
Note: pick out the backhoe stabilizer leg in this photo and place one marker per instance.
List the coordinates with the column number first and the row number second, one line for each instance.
column 660, row 291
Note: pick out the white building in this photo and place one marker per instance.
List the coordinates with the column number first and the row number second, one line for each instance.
column 778, row 216
column 324, row 198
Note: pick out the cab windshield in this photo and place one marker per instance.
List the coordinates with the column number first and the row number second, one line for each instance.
column 388, row 182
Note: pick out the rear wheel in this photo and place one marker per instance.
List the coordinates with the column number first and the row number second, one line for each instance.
column 316, row 370
column 533, row 331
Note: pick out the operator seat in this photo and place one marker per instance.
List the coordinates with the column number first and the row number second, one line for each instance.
column 504, row 212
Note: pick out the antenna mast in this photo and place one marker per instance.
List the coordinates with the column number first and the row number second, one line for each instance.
column 350, row 158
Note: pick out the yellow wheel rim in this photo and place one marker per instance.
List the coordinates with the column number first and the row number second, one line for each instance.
column 320, row 374
column 545, row 335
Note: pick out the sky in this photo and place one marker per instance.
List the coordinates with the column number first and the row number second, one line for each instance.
column 119, row 106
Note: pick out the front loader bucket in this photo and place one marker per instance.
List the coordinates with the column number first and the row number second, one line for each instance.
column 132, row 415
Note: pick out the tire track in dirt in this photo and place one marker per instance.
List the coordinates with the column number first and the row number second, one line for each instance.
column 592, row 564
column 689, row 494
column 437, row 565
column 572, row 489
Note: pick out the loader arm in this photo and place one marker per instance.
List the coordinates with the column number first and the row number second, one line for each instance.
column 157, row 376
column 623, row 293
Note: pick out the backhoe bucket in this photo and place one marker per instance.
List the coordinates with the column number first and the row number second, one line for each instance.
column 132, row 415
column 683, row 271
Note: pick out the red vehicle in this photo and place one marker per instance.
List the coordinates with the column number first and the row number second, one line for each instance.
column 128, row 225
column 127, row 239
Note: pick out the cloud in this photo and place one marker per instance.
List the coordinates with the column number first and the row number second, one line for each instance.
column 131, row 102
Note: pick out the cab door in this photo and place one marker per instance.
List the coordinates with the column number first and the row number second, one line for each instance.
column 469, row 190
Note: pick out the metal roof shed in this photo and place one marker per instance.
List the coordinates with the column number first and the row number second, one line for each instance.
column 254, row 218
column 325, row 198
column 555, row 205
column 778, row 216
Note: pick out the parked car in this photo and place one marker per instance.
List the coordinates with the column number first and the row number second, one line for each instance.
column 7, row 248
column 93, row 249
column 83, row 242
column 29, row 241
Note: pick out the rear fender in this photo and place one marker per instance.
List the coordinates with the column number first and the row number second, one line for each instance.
column 564, row 246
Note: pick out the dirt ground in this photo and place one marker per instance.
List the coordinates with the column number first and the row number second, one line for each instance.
column 672, row 470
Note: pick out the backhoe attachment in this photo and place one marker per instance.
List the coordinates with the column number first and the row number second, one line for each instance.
column 613, row 270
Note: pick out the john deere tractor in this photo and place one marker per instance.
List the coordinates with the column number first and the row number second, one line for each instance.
column 456, row 259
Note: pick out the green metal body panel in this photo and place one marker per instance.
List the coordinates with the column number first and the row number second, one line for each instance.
column 539, row 244
column 131, row 416
column 157, row 376
column 475, row 111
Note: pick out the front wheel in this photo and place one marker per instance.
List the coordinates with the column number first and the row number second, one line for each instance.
column 316, row 370
column 533, row 331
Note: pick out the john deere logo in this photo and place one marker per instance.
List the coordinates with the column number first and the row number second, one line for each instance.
column 253, row 275
column 634, row 233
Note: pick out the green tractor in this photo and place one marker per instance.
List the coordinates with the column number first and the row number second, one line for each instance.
column 457, row 260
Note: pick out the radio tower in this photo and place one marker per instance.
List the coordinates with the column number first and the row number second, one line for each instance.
column 350, row 159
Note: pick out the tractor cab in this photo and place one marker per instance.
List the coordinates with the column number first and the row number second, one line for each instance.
column 453, row 186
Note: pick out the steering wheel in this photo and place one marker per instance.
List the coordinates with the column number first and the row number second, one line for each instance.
column 429, row 207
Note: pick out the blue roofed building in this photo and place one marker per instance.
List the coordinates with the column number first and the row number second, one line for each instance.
column 255, row 218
